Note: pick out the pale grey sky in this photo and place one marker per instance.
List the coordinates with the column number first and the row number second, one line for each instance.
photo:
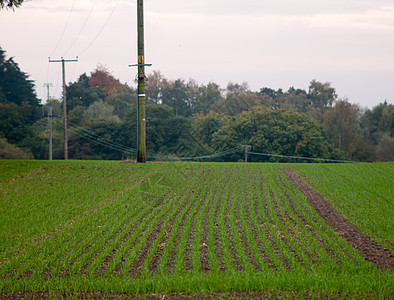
column 276, row 44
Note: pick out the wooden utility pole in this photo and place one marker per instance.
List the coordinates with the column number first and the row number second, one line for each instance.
column 63, row 61
column 247, row 147
column 49, row 120
column 141, row 154
column 141, row 122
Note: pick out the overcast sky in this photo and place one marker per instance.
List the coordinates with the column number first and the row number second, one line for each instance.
column 276, row 44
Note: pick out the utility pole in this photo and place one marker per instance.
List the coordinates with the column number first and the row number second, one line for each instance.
column 247, row 147
column 49, row 121
column 63, row 61
column 141, row 123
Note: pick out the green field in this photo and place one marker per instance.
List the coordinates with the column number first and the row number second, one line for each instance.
column 195, row 228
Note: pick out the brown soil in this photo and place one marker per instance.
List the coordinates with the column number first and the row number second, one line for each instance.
column 369, row 249
column 309, row 228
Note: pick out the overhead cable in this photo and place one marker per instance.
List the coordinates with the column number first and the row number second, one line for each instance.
column 301, row 157
column 99, row 140
column 64, row 29
column 101, row 29
column 82, row 28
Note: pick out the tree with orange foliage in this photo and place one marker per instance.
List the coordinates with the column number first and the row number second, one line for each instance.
column 102, row 79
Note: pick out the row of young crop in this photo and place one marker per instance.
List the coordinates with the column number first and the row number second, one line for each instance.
column 46, row 204
column 257, row 221
column 175, row 222
column 67, row 248
column 363, row 193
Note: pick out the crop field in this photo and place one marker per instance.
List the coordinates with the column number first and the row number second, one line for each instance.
column 88, row 228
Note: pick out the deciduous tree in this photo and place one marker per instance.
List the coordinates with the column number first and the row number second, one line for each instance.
column 276, row 132
column 321, row 95
column 101, row 78
column 341, row 123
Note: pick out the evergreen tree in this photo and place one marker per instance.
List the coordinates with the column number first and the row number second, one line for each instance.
column 19, row 105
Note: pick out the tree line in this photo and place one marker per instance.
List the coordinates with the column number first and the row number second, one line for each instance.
column 188, row 119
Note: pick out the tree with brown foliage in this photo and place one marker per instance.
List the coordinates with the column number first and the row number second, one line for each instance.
column 102, row 78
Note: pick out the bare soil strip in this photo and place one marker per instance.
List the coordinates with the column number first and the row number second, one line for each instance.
column 309, row 228
column 370, row 250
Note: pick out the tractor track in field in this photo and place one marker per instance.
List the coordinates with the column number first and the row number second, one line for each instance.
column 369, row 249
column 308, row 227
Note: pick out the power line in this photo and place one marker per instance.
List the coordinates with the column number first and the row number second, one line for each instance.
column 83, row 26
column 101, row 29
column 85, row 134
column 301, row 157
column 64, row 29
column 218, row 154
column 102, row 141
